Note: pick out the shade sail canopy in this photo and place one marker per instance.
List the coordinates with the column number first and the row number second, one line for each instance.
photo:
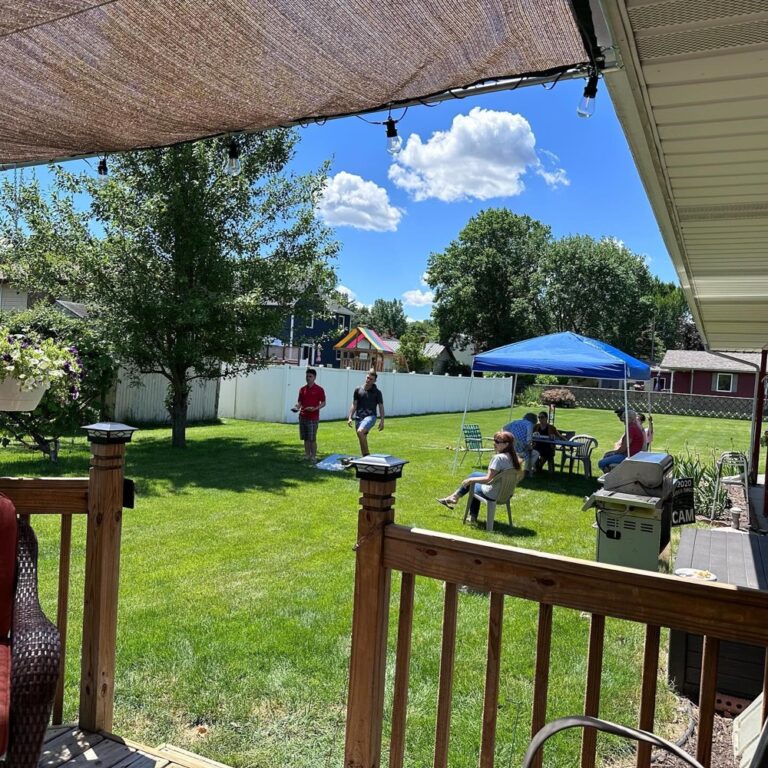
column 84, row 77
column 563, row 354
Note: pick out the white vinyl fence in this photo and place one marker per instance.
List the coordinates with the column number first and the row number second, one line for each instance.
column 269, row 394
column 145, row 403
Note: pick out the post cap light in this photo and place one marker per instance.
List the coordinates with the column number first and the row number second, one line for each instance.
column 378, row 466
column 109, row 432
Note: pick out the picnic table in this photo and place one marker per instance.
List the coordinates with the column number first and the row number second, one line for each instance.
column 564, row 447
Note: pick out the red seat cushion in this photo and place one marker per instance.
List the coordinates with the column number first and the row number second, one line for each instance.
column 5, row 692
column 7, row 563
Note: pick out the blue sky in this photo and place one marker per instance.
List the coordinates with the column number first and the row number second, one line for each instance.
column 578, row 177
column 525, row 150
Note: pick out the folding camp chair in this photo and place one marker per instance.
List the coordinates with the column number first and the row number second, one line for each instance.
column 474, row 441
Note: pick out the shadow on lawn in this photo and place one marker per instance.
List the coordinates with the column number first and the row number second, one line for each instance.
column 231, row 464
column 557, row 482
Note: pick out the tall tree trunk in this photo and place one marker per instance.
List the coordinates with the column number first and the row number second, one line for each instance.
column 179, row 401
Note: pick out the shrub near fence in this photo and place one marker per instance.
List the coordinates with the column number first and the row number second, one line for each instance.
column 660, row 402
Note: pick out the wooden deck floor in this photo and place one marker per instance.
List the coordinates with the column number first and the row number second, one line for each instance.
column 69, row 747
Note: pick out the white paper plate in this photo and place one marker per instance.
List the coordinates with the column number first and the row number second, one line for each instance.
column 696, row 573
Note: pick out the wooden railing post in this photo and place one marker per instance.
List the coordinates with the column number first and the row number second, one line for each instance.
column 365, row 703
column 102, row 569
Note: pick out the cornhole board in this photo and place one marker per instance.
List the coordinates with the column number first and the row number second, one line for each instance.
column 333, row 463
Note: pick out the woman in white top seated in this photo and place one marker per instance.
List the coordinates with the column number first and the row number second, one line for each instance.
column 505, row 458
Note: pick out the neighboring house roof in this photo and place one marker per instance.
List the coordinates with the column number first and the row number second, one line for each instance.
column 71, row 308
column 339, row 309
column 431, row 349
column 693, row 360
column 361, row 334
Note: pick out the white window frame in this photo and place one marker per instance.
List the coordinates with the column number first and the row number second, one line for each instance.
column 716, row 382
column 311, row 322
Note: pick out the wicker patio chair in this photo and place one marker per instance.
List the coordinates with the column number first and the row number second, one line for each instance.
column 582, row 453
column 35, row 658
column 474, row 441
column 505, row 483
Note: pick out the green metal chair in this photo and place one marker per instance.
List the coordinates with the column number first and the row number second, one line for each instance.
column 475, row 442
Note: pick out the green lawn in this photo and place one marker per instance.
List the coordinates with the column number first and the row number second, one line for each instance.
column 237, row 577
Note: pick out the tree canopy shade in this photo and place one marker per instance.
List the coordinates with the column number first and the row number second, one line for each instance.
column 563, row 354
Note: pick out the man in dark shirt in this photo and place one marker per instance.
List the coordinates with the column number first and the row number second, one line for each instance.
column 364, row 403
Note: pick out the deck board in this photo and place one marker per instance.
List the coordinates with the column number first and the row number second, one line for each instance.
column 70, row 747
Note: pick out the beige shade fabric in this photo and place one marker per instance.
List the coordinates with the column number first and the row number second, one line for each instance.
column 82, row 77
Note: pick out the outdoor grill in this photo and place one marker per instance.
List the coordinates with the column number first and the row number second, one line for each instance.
column 633, row 510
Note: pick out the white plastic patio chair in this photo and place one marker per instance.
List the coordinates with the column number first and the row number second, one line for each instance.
column 582, row 453
column 504, row 483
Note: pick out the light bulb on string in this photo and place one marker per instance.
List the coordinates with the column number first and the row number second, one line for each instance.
column 102, row 172
column 394, row 142
column 232, row 163
column 586, row 106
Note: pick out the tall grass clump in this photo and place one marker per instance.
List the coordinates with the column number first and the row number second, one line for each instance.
column 704, row 474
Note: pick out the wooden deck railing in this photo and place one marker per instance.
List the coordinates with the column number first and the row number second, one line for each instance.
column 100, row 498
column 717, row 611
column 53, row 496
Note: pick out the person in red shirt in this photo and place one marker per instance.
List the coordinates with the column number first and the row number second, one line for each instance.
column 311, row 400
column 619, row 453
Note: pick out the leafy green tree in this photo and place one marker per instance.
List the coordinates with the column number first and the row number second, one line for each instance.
column 425, row 329
column 672, row 318
column 411, row 355
column 54, row 418
column 486, row 282
column 597, row 288
column 388, row 317
column 195, row 269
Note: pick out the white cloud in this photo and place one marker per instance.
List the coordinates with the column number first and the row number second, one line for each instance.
column 424, row 279
column 549, row 170
column 348, row 292
column 417, row 298
column 351, row 201
column 483, row 155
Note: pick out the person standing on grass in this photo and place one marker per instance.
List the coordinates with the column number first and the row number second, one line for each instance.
column 365, row 400
column 311, row 400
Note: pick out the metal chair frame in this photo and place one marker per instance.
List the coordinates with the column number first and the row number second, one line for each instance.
column 473, row 441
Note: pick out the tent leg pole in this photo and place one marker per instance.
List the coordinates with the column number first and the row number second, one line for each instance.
column 626, row 412
column 514, row 392
column 463, row 420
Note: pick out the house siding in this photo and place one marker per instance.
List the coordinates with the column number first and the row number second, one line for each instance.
column 703, row 383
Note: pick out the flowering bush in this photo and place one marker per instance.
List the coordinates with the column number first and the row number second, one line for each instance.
column 35, row 361
column 562, row 398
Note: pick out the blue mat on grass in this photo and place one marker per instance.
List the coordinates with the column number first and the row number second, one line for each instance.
column 333, row 463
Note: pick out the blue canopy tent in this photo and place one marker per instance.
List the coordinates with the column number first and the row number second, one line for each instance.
column 561, row 354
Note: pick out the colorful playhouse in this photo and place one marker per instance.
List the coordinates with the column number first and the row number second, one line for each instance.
column 362, row 349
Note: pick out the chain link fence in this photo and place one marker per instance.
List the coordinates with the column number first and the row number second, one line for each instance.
column 674, row 403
